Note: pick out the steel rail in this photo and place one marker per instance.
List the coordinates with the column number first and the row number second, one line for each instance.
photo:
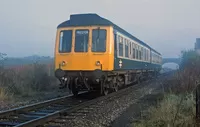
column 5, row 115
column 65, row 112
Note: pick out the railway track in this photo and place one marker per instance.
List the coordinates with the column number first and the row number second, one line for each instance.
column 41, row 113
column 35, row 114
column 48, row 111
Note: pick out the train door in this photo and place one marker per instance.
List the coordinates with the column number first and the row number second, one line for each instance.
column 115, row 44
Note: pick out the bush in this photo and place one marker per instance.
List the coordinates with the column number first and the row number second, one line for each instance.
column 184, row 80
column 190, row 60
column 27, row 80
column 173, row 110
column 4, row 95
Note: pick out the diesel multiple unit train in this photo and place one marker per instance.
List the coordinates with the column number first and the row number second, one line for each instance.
column 92, row 53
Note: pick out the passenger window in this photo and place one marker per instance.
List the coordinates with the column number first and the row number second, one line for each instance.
column 121, row 46
column 81, row 40
column 133, row 51
column 156, row 59
column 144, row 54
column 147, row 55
column 65, row 41
column 98, row 40
column 118, row 39
column 126, row 48
column 141, row 53
column 137, row 54
column 130, row 49
column 153, row 57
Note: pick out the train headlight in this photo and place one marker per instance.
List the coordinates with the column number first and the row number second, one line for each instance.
column 98, row 63
column 63, row 63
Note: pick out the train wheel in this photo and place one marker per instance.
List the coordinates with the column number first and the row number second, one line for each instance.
column 75, row 90
column 104, row 88
column 116, row 87
column 105, row 91
column 139, row 79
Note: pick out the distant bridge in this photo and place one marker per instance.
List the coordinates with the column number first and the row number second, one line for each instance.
column 171, row 60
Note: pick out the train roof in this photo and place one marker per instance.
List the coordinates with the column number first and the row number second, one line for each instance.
column 94, row 19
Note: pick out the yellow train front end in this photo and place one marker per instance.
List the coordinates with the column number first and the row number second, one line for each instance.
column 84, row 48
column 82, row 55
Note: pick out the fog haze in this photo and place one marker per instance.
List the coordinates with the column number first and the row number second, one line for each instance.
column 29, row 27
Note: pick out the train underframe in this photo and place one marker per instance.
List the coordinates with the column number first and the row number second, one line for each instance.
column 101, row 81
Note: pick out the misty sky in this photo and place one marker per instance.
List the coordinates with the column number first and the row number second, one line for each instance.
column 28, row 27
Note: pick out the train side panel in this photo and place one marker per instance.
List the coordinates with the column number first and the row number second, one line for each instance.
column 127, row 63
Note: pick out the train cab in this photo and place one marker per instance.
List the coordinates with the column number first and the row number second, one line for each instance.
column 84, row 50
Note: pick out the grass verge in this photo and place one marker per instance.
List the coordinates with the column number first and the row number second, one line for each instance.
column 173, row 110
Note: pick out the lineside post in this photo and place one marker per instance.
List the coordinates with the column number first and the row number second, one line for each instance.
column 198, row 104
